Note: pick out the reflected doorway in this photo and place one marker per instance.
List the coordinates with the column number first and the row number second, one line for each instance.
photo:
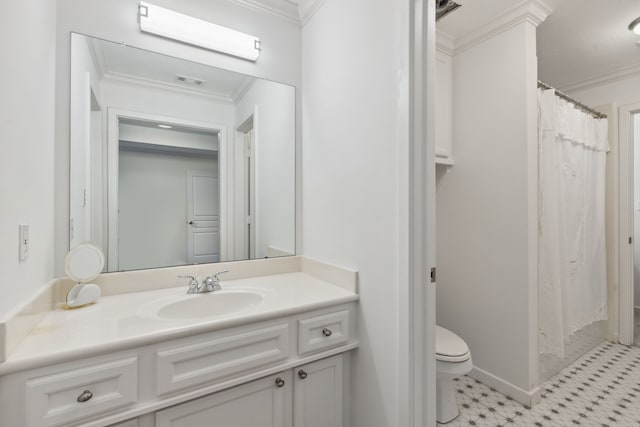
column 246, row 187
column 167, row 180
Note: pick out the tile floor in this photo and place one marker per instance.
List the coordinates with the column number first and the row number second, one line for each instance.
column 602, row 388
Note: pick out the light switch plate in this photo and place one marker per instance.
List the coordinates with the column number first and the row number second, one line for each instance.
column 23, row 232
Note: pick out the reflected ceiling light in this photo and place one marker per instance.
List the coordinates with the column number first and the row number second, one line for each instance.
column 173, row 25
column 165, row 126
column 635, row 26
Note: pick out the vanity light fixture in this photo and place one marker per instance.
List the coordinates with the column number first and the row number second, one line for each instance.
column 635, row 26
column 173, row 25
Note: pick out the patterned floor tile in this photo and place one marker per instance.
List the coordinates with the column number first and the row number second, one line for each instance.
column 600, row 389
column 534, row 419
column 482, row 418
column 562, row 412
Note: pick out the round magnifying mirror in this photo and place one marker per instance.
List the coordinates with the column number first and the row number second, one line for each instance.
column 84, row 263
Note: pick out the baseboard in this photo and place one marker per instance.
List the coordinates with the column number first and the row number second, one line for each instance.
column 527, row 398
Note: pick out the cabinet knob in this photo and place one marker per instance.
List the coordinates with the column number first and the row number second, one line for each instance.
column 326, row 332
column 302, row 374
column 279, row 382
column 85, row 396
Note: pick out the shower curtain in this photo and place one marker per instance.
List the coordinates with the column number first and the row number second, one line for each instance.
column 572, row 279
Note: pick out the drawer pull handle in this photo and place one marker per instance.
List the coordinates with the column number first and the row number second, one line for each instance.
column 85, row 396
column 326, row 332
column 302, row 374
column 279, row 382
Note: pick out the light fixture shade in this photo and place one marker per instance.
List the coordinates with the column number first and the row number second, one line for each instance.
column 167, row 23
column 635, row 26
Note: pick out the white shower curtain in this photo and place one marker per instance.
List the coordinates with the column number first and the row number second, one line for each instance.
column 572, row 279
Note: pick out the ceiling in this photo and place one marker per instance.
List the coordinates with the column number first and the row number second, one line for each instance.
column 584, row 40
column 581, row 41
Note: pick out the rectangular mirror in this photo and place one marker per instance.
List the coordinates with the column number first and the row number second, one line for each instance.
column 175, row 162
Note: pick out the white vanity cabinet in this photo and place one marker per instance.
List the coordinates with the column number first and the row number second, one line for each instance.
column 318, row 393
column 279, row 372
column 310, row 395
column 264, row 402
column 444, row 108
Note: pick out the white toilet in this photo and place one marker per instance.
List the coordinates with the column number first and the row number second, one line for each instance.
column 452, row 360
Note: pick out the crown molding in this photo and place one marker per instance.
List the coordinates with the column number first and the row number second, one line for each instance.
column 242, row 90
column 286, row 9
column 172, row 87
column 445, row 43
column 602, row 79
column 531, row 11
column 308, row 8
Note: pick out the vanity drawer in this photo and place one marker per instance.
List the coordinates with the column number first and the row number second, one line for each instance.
column 323, row 331
column 219, row 357
column 73, row 395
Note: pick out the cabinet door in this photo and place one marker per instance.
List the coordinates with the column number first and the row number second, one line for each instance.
column 318, row 394
column 265, row 402
column 444, row 95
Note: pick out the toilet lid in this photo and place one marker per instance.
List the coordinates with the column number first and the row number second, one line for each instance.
column 450, row 347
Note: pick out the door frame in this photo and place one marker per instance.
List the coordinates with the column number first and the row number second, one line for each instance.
column 626, row 211
column 245, row 186
column 224, row 169
column 416, row 122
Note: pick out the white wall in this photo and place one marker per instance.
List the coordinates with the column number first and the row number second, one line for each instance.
column 150, row 100
column 117, row 20
column 173, row 138
column 275, row 163
column 153, row 196
column 487, row 211
column 26, row 167
column 351, row 176
column 620, row 92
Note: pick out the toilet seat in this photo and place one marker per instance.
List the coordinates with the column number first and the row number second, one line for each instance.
column 450, row 347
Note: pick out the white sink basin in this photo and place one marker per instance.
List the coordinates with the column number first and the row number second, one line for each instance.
column 200, row 306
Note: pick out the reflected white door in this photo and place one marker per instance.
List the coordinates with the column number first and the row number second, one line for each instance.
column 250, row 192
column 203, row 221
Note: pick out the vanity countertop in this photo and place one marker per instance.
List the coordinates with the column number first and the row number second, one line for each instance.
column 130, row 320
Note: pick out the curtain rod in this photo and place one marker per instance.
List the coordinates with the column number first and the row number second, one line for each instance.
column 581, row 106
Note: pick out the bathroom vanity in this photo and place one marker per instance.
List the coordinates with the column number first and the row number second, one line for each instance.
column 275, row 352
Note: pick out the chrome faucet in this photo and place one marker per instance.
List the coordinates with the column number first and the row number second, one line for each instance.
column 210, row 284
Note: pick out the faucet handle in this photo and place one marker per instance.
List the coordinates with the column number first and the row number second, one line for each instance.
column 193, row 283
column 215, row 276
column 212, row 283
